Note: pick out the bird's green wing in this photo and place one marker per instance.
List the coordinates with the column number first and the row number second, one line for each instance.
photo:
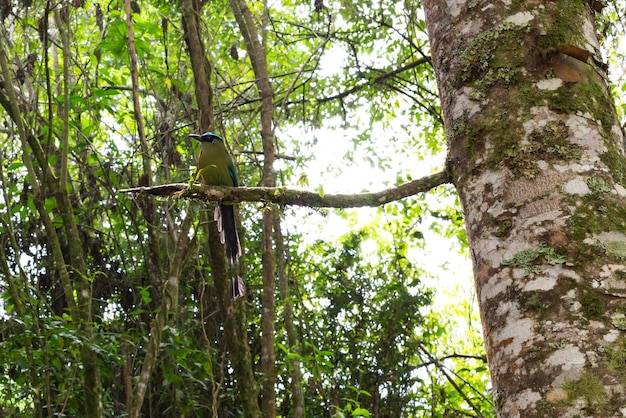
column 232, row 172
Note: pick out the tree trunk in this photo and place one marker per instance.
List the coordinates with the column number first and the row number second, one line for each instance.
column 536, row 154
column 258, row 59
column 236, row 336
column 290, row 326
column 72, row 271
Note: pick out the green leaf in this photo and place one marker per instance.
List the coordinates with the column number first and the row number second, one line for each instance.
column 360, row 412
column 52, row 159
column 145, row 294
column 50, row 204
column 113, row 178
column 15, row 165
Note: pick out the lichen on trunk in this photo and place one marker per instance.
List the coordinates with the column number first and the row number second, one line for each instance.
column 536, row 154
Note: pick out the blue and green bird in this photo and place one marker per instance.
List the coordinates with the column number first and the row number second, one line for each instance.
column 216, row 168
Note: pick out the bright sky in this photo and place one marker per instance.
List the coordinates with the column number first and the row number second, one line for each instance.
column 450, row 272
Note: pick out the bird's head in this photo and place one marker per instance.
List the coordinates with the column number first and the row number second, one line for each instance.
column 206, row 137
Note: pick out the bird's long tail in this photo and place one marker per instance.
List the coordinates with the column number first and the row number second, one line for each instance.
column 237, row 288
column 224, row 215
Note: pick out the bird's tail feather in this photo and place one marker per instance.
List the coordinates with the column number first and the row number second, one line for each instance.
column 237, row 288
column 224, row 215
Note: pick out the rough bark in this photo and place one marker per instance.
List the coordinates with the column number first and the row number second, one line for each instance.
column 200, row 65
column 93, row 387
column 536, row 154
column 290, row 326
column 283, row 196
column 236, row 336
column 75, row 285
column 148, row 207
column 169, row 306
column 258, row 59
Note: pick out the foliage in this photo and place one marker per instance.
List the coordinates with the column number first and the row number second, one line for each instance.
column 377, row 338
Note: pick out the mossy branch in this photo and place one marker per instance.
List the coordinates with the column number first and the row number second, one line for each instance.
column 284, row 196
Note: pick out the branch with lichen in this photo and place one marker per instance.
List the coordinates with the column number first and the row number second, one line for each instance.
column 294, row 197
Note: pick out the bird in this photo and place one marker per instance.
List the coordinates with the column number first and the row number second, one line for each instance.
column 216, row 167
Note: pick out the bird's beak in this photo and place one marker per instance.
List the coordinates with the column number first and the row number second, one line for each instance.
column 195, row 136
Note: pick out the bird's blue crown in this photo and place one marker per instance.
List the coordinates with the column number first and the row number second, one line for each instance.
column 212, row 136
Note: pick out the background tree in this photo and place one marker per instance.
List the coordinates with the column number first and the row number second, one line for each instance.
column 115, row 303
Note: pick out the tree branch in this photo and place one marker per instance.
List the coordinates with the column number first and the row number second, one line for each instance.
column 376, row 80
column 284, row 197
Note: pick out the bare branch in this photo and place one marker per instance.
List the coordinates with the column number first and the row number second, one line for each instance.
column 277, row 156
column 376, row 80
column 284, row 197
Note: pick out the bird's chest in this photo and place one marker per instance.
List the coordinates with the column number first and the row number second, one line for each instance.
column 213, row 164
column 216, row 176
